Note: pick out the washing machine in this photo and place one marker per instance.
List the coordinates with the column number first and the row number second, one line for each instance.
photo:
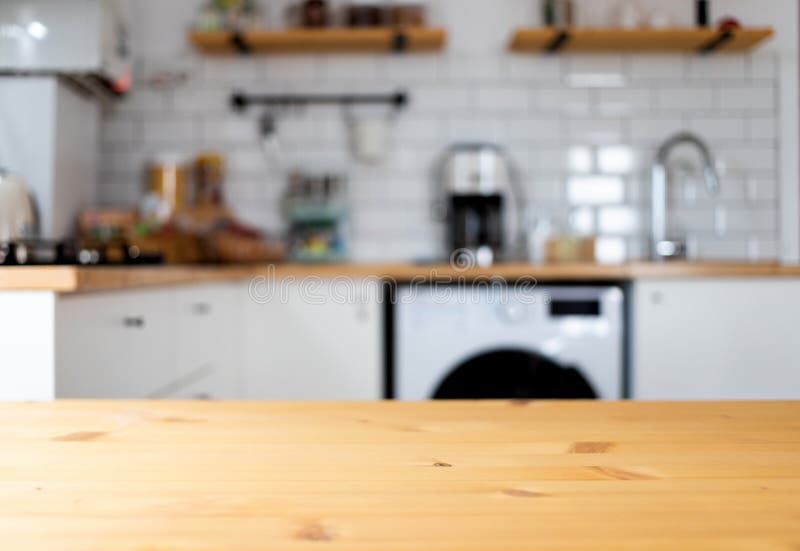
column 503, row 341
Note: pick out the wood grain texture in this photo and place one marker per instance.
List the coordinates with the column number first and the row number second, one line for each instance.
column 321, row 40
column 182, row 476
column 66, row 279
column 600, row 39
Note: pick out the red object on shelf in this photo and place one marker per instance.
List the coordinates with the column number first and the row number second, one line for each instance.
column 729, row 24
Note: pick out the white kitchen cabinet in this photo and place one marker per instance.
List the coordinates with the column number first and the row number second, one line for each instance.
column 309, row 342
column 716, row 339
column 171, row 342
column 206, row 317
column 115, row 344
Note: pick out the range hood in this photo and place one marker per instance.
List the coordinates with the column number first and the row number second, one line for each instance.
column 86, row 41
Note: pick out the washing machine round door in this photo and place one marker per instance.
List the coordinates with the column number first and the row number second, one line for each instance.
column 508, row 374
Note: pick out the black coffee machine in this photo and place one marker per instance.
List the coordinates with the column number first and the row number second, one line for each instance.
column 478, row 182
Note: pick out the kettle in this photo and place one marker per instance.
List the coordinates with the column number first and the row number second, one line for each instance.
column 19, row 218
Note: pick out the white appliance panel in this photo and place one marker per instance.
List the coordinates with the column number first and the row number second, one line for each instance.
column 437, row 330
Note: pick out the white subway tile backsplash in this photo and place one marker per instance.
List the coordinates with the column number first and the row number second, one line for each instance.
column 475, row 129
column 748, row 157
column 243, row 70
column 126, row 160
column 503, row 99
column 144, row 100
column 572, row 101
column 441, row 99
column 684, row 98
column 227, row 131
column 533, row 68
column 595, row 70
column 616, row 159
column 730, row 128
column 595, row 131
column 657, row 67
column 624, row 101
column 404, row 69
column 421, row 130
column 533, row 129
column 551, row 158
column 178, row 132
column 750, row 97
column 246, row 162
column 120, row 130
column 618, row 220
column 763, row 128
column 647, row 129
column 763, row 65
column 582, row 129
column 350, row 67
column 202, row 101
column 595, row 190
column 473, row 68
column 295, row 68
column 723, row 67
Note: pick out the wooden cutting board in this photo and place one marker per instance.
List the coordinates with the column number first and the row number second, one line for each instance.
column 170, row 476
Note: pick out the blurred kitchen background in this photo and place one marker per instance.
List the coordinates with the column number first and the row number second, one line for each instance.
column 158, row 157
column 581, row 128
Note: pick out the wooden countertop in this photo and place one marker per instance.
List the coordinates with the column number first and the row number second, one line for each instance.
column 183, row 476
column 77, row 279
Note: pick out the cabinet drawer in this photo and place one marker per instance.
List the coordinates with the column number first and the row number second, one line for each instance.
column 115, row 345
column 206, row 331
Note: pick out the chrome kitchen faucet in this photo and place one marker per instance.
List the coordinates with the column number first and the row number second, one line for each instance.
column 662, row 247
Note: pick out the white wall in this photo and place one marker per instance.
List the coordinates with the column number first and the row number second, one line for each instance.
column 48, row 136
column 539, row 107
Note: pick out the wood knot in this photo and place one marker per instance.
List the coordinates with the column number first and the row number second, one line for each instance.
column 314, row 531
column 175, row 419
column 617, row 473
column 442, row 464
column 590, row 447
column 81, row 436
column 516, row 492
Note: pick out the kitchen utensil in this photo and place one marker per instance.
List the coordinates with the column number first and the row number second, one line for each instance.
column 370, row 134
column 18, row 212
column 557, row 13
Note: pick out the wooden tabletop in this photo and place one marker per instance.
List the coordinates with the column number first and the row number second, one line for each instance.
column 171, row 476
column 67, row 279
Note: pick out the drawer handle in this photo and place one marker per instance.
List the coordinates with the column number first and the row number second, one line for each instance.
column 134, row 322
column 201, row 308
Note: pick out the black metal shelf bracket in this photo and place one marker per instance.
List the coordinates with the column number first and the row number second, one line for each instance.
column 240, row 101
column 558, row 42
column 715, row 43
column 238, row 41
column 399, row 42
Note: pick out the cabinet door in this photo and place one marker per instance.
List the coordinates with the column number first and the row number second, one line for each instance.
column 716, row 339
column 115, row 345
column 313, row 341
column 207, row 360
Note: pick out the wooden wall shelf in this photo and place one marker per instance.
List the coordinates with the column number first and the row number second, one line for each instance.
column 412, row 39
column 601, row 39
